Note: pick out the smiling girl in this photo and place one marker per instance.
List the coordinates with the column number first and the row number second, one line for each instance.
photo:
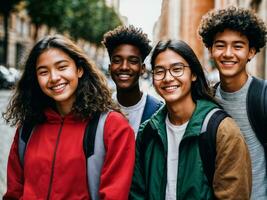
column 59, row 92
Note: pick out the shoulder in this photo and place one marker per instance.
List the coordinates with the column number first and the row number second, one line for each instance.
column 228, row 131
column 116, row 119
column 258, row 83
column 152, row 99
column 116, row 123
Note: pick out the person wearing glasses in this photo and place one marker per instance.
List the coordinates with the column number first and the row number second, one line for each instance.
column 168, row 163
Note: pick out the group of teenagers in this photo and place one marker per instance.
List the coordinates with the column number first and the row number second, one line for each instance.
column 151, row 147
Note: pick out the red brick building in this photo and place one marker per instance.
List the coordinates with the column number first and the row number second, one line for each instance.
column 180, row 19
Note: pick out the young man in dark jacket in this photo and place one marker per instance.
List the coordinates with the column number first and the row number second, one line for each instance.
column 128, row 47
column 233, row 37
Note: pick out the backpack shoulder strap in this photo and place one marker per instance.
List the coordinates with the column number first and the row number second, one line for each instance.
column 257, row 108
column 95, row 152
column 151, row 106
column 25, row 132
column 207, row 141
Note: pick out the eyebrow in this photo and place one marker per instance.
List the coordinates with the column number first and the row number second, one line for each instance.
column 222, row 41
column 171, row 65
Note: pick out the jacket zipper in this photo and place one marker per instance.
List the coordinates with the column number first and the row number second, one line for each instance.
column 53, row 161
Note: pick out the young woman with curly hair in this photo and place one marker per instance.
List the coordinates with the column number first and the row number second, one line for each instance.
column 233, row 37
column 59, row 92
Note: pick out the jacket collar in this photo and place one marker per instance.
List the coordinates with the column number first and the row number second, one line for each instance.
column 54, row 117
column 193, row 128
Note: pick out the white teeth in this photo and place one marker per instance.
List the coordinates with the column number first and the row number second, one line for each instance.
column 58, row 87
column 171, row 87
column 228, row 62
column 124, row 76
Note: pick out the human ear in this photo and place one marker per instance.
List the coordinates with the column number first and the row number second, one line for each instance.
column 251, row 53
column 80, row 72
column 143, row 69
column 193, row 77
column 210, row 51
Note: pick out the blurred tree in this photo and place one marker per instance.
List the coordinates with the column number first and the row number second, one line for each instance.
column 85, row 19
column 49, row 12
column 89, row 20
column 6, row 7
column 104, row 20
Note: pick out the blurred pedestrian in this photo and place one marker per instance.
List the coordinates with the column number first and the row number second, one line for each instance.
column 169, row 164
column 59, row 92
column 233, row 37
column 128, row 47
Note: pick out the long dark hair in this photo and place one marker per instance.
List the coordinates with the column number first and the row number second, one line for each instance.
column 199, row 88
column 29, row 102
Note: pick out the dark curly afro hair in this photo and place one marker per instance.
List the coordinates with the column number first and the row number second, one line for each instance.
column 127, row 35
column 242, row 20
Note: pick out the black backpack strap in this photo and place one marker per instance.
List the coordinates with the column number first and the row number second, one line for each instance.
column 257, row 109
column 207, row 141
column 25, row 132
column 89, row 135
column 151, row 106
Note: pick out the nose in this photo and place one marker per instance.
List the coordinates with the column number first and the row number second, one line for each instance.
column 228, row 52
column 124, row 64
column 54, row 76
column 168, row 75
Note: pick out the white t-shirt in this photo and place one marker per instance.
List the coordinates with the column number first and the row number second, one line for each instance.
column 134, row 113
column 174, row 136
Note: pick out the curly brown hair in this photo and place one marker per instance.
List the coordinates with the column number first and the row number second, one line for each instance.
column 242, row 20
column 29, row 102
column 127, row 35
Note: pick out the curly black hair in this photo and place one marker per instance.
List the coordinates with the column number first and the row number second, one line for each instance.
column 127, row 35
column 29, row 102
column 242, row 20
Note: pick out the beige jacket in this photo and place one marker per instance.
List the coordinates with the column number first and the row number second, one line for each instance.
column 232, row 164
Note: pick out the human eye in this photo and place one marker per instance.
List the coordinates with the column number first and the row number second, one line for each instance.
column 238, row 46
column 42, row 72
column 177, row 67
column 116, row 60
column 159, row 70
column 219, row 45
column 134, row 61
column 62, row 67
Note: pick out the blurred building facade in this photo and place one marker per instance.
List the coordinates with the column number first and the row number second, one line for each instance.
column 180, row 19
column 21, row 37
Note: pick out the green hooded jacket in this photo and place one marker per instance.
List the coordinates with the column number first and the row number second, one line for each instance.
column 150, row 174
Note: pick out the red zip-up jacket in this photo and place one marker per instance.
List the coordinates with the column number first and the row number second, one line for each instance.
column 55, row 163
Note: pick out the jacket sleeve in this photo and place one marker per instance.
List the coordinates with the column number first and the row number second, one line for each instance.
column 117, row 171
column 233, row 175
column 14, row 173
column 138, row 191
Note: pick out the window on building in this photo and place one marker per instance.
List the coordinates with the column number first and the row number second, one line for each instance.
column 20, row 48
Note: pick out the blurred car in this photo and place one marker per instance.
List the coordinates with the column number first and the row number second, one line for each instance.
column 8, row 77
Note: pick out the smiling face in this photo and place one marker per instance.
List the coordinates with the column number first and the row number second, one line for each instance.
column 173, row 89
column 126, row 66
column 231, row 52
column 58, row 75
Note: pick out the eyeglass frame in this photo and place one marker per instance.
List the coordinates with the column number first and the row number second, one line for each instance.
column 169, row 69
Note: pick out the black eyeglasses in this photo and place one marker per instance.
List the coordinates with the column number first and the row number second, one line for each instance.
column 176, row 70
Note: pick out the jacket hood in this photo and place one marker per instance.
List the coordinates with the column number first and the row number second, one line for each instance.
column 157, row 122
column 54, row 117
